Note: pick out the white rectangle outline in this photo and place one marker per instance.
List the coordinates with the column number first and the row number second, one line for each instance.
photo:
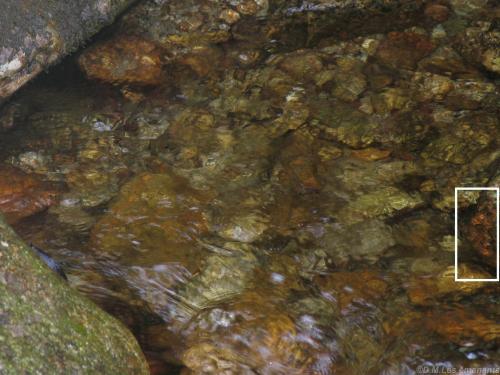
column 457, row 189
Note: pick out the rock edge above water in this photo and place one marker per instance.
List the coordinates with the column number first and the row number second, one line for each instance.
column 35, row 34
column 48, row 328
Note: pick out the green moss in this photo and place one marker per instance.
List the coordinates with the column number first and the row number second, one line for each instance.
column 46, row 327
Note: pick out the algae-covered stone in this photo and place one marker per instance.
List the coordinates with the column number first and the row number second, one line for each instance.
column 47, row 328
column 367, row 241
column 385, row 201
column 463, row 141
column 342, row 123
column 221, row 278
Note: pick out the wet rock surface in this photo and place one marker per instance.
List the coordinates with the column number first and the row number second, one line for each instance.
column 259, row 187
column 23, row 194
column 35, row 35
column 481, row 229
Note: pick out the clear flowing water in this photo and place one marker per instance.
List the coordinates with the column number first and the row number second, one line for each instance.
column 275, row 207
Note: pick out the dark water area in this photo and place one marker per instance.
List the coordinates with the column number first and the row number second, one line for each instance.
column 278, row 202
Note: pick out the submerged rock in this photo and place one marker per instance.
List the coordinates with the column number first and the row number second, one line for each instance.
column 366, row 240
column 481, row 230
column 221, row 278
column 460, row 142
column 46, row 327
column 302, row 65
column 156, row 218
column 124, row 60
column 403, row 49
column 425, row 290
column 253, row 335
column 22, row 194
column 386, row 201
column 371, row 154
column 463, row 326
column 287, row 192
column 350, row 288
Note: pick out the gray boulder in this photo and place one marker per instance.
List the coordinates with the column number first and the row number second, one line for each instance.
column 34, row 34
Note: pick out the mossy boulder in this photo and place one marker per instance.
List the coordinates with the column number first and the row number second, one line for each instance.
column 48, row 328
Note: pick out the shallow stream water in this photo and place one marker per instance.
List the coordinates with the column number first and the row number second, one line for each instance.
column 277, row 206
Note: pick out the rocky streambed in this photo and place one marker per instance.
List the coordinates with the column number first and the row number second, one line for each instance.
column 267, row 187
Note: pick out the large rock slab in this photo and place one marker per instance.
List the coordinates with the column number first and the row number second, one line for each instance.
column 34, row 34
column 48, row 328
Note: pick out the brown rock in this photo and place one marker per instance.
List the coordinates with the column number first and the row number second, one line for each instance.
column 371, row 154
column 491, row 60
column 302, row 65
column 229, row 16
column 123, row 60
column 329, row 152
column 404, row 49
column 192, row 135
column 202, row 59
column 349, row 287
column 156, row 217
column 444, row 60
column 260, row 338
column 298, row 161
column 426, row 290
column 159, row 338
column 481, row 231
column 460, row 326
column 437, row 12
column 247, row 7
column 22, row 194
column 156, row 365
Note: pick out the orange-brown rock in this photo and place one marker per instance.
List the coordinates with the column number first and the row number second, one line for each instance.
column 156, row 217
column 481, row 230
column 403, row 49
column 22, row 194
column 459, row 325
column 263, row 338
column 426, row 290
column 349, row 287
column 124, row 60
column 156, row 365
column 279, row 279
column 298, row 162
column 437, row 12
column 302, row 65
column 371, row 154
column 203, row 60
column 406, row 321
